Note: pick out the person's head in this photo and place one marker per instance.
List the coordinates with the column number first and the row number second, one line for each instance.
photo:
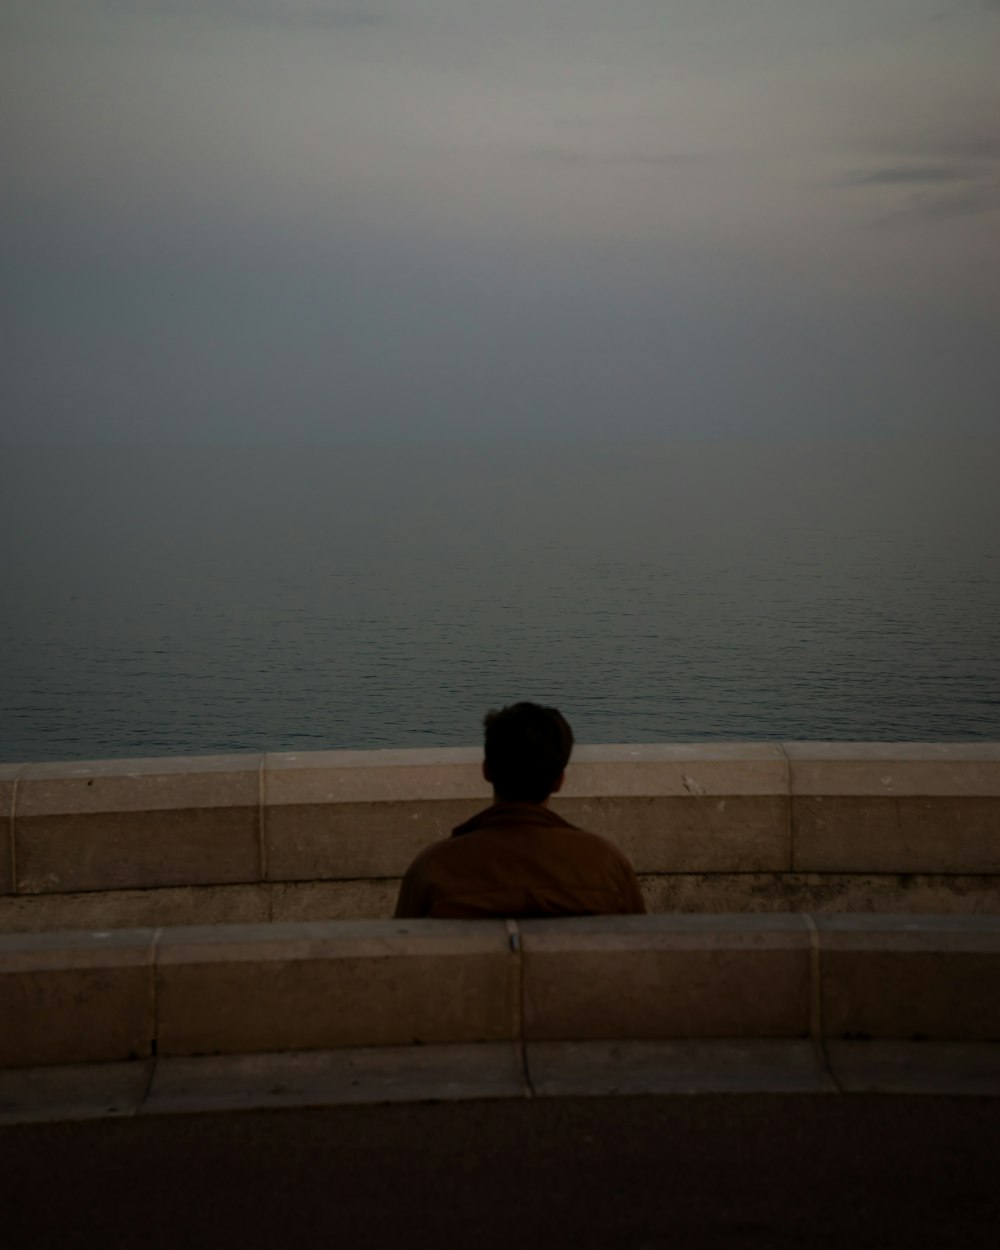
column 527, row 749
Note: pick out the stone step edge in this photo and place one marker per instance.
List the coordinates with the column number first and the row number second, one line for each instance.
column 376, row 1076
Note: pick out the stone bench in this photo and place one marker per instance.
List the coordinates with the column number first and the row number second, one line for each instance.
column 82, row 997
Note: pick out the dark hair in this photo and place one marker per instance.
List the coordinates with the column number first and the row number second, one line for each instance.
column 527, row 748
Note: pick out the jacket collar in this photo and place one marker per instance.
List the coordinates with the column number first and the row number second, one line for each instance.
column 512, row 814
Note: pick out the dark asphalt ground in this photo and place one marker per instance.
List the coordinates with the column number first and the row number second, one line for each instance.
column 757, row 1170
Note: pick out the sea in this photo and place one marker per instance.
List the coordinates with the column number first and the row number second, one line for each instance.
column 201, row 599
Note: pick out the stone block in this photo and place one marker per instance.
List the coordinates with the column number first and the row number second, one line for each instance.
column 740, row 833
column 367, row 814
column 308, row 778
column 231, row 989
column 683, row 807
column 605, row 1069
column 896, row 834
column 355, row 840
column 324, row 1078
column 647, row 977
column 75, row 997
column 678, row 769
column 895, row 807
column 334, row 900
column 894, row 769
column 119, row 824
column 131, row 909
column 9, row 774
column 918, row 977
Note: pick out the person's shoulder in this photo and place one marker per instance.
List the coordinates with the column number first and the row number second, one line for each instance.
column 608, row 861
column 434, row 851
column 420, row 879
column 598, row 843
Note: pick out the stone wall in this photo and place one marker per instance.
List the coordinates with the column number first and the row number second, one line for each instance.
column 132, row 994
column 720, row 827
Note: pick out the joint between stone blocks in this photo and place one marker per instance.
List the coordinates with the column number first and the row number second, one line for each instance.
column 13, row 829
column 261, row 818
column 517, row 1002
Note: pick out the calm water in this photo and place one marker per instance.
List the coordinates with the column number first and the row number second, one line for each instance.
column 232, row 599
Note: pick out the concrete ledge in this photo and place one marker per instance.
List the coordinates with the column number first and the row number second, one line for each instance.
column 366, row 814
column 895, row 807
column 666, row 977
column 76, row 997
column 229, row 989
column 926, row 977
column 712, row 808
column 113, row 824
column 317, row 841
column 675, row 833
column 82, row 998
column 894, row 769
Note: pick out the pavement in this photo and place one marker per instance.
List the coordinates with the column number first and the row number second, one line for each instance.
column 774, row 1170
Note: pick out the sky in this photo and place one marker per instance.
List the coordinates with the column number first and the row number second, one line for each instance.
column 307, row 220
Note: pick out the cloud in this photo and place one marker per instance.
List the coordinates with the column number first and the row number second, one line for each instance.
column 958, row 177
column 976, row 199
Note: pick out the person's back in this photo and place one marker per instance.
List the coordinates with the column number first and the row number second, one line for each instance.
column 518, row 858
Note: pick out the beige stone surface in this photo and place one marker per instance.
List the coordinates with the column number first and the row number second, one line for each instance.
column 85, row 1091
column 305, row 778
column 768, row 892
column 75, row 997
column 120, row 824
column 691, row 834
column 717, row 770
column 334, row 1077
column 130, row 909
column 602, row 1069
column 896, row 834
column 145, row 785
column 971, row 1068
column 914, row 977
column 355, row 840
column 9, row 774
column 646, row 977
column 137, row 850
column 894, row 768
column 243, row 989
column 334, row 900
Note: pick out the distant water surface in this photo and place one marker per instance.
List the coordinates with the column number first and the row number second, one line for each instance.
column 217, row 599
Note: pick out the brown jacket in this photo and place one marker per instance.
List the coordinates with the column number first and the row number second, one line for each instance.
column 519, row 859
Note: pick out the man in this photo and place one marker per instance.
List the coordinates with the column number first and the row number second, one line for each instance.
column 518, row 858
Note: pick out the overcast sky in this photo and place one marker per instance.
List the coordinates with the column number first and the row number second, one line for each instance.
column 486, row 218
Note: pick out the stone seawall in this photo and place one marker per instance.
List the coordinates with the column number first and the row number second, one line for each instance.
column 719, row 827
